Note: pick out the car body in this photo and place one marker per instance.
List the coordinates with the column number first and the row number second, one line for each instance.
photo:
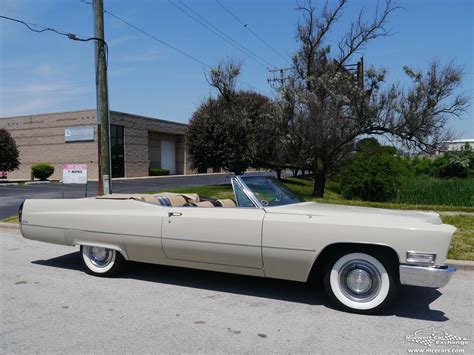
column 267, row 231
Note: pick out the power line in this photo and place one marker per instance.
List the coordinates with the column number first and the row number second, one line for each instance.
column 255, row 34
column 69, row 35
column 153, row 37
column 136, row 28
column 212, row 28
column 30, row 26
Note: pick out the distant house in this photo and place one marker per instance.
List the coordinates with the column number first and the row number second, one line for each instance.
column 458, row 145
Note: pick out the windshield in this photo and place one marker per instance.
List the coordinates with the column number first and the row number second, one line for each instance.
column 269, row 191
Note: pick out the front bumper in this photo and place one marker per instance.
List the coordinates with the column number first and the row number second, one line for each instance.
column 425, row 276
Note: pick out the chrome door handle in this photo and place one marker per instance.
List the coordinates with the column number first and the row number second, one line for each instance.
column 170, row 214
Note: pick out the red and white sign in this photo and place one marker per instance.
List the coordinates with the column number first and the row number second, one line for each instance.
column 75, row 174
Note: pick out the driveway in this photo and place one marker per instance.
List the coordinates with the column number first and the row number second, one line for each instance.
column 48, row 304
column 12, row 196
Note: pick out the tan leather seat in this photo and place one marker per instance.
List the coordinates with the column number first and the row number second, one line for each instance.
column 191, row 198
column 227, row 203
column 176, row 200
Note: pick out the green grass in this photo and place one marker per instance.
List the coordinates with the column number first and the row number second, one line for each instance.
column 462, row 245
column 429, row 190
column 13, row 219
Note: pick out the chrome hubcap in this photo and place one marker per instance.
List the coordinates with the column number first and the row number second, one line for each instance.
column 100, row 257
column 359, row 280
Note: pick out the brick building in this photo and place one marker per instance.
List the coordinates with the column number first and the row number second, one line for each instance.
column 137, row 143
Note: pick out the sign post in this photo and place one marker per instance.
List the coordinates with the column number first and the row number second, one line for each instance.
column 74, row 174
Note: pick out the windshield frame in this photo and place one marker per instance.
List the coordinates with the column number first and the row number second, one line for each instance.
column 245, row 189
column 250, row 194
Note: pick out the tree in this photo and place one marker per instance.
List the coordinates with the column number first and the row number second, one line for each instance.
column 8, row 152
column 234, row 130
column 332, row 109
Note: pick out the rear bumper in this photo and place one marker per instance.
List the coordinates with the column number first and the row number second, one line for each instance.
column 425, row 276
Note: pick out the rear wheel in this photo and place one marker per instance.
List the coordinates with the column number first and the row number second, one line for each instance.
column 100, row 261
column 359, row 282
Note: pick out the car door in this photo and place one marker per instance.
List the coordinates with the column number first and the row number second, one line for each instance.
column 225, row 236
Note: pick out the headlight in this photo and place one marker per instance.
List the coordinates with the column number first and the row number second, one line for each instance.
column 414, row 257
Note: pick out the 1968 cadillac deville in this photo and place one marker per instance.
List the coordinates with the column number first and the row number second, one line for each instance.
column 363, row 254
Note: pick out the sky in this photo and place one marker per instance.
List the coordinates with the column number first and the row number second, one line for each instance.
column 46, row 72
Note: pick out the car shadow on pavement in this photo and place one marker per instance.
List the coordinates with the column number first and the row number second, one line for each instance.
column 411, row 302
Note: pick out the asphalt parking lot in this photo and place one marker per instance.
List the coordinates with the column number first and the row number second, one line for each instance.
column 48, row 304
column 12, row 196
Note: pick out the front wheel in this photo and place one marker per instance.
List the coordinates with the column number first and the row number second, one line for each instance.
column 100, row 261
column 359, row 282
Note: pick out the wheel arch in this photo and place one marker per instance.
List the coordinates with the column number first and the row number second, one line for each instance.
column 338, row 248
column 103, row 245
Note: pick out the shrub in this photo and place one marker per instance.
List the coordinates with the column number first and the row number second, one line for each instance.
column 451, row 166
column 158, row 172
column 422, row 166
column 42, row 171
column 373, row 173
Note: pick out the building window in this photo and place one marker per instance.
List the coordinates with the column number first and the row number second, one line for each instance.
column 117, row 150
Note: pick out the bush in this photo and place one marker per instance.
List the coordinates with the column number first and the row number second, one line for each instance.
column 158, row 172
column 42, row 171
column 373, row 173
column 422, row 166
column 451, row 166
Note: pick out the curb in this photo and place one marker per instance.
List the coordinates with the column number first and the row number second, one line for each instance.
column 9, row 226
column 463, row 265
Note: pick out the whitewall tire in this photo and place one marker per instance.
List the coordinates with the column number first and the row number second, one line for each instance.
column 100, row 261
column 359, row 282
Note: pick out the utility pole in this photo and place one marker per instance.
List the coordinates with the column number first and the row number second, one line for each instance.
column 103, row 119
column 282, row 78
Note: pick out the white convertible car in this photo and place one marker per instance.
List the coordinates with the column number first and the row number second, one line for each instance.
column 363, row 254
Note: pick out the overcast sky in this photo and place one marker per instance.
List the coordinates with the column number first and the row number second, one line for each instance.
column 45, row 72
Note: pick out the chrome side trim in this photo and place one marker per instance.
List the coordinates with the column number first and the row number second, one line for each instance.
column 435, row 277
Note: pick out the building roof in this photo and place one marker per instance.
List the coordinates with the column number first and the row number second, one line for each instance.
column 94, row 110
column 467, row 140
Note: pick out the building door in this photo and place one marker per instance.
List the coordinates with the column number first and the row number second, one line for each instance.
column 117, row 150
column 168, row 156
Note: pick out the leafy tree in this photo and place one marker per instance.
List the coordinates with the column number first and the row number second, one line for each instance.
column 8, row 152
column 234, row 130
column 372, row 173
column 331, row 110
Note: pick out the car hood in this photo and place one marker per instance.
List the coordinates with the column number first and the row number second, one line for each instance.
column 356, row 213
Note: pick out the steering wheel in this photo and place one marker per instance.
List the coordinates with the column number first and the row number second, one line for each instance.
column 275, row 199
